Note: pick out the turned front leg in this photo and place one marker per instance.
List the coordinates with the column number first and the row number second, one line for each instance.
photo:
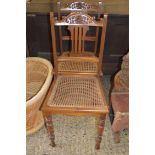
column 100, row 129
column 50, row 129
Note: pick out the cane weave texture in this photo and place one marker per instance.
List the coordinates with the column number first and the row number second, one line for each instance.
column 38, row 79
column 74, row 91
column 78, row 66
column 36, row 74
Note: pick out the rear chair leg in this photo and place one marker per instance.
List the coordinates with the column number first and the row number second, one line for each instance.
column 50, row 129
column 100, row 131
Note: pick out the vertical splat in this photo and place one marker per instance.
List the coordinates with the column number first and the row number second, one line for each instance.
column 78, row 34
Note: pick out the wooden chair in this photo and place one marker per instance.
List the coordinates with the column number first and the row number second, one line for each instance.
column 77, row 88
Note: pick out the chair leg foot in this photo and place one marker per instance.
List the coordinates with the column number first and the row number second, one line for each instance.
column 50, row 129
column 98, row 141
column 117, row 137
column 53, row 144
column 100, row 131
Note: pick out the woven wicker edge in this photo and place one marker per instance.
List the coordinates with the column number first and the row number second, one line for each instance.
column 39, row 123
column 47, row 82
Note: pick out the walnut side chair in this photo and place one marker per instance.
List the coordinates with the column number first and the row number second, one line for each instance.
column 77, row 87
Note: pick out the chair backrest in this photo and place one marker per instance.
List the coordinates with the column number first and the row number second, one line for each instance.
column 78, row 60
column 66, row 7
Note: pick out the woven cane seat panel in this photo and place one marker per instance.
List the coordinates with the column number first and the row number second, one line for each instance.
column 78, row 66
column 72, row 91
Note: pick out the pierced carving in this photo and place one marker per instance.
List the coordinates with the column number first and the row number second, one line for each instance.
column 79, row 6
column 79, row 18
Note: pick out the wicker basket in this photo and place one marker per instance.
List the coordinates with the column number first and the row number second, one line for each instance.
column 38, row 78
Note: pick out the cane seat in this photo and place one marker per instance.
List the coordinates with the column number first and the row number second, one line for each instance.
column 77, row 92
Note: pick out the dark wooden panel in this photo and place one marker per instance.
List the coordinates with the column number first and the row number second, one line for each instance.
column 38, row 34
column 117, row 37
column 117, row 42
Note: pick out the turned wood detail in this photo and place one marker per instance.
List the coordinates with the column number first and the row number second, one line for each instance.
column 50, row 129
column 100, row 130
column 121, row 80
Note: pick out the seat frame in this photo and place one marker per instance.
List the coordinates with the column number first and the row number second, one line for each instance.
column 71, row 111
